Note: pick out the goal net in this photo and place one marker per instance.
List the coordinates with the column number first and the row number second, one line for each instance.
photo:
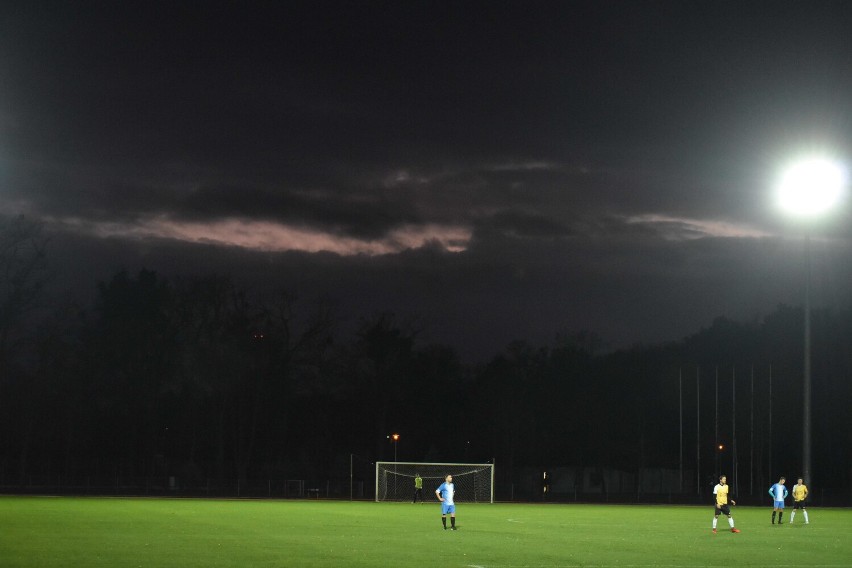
column 474, row 481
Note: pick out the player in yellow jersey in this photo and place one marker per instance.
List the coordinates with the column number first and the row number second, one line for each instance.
column 418, row 488
column 800, row 493
column 721, row 493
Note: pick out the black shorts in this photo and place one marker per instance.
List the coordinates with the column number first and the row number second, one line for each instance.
column 799, row 505
column 723, row 510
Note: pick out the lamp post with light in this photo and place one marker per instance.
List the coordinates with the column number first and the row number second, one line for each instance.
column 394, row 438
column 808, row 190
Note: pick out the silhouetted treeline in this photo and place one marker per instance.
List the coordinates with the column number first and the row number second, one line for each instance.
column 191, row 378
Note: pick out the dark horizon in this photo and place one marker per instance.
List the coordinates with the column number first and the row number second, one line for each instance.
column 193, row 381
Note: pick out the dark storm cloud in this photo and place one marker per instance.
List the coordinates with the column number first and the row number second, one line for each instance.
column 601, row 165
column 312, row 95
column 365, row 214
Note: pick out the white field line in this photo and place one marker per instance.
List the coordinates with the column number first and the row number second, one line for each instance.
column 577, row 565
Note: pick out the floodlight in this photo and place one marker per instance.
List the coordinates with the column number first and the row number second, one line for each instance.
column 811, row 187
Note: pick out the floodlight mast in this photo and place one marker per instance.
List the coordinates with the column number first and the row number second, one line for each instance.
column 808, row 190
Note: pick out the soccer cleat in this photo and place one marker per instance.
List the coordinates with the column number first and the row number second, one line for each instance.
column 714, row 531
column 453, row 529
column 735, row 530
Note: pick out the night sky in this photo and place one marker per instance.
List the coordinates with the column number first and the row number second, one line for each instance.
column 497, row 170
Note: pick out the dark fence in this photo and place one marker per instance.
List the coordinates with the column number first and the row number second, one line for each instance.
column 562, row 485
column 648, row 485
column 175, row 487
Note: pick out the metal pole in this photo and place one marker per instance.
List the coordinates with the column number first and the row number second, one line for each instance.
column 697, row 430
column 770, row 422
column 680, row 407
column 806, row 387
column 734, row 464
column 751, row 438
column 716, row 448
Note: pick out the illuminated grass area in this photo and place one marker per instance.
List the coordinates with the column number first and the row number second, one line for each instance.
column 93, row 532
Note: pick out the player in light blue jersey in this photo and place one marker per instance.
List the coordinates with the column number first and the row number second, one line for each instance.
column 445, row 493
column 779, row 493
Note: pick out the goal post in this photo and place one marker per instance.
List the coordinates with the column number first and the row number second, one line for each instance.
column 474, row 481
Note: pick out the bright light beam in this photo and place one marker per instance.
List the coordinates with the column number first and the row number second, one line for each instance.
column 811, row 187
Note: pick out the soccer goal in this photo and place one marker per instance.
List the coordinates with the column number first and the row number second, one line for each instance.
column 474, row 481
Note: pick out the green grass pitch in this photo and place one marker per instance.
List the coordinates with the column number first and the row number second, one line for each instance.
column 124, row 532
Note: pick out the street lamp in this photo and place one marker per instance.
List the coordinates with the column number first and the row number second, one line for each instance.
column 808, row 190
column 394, row 438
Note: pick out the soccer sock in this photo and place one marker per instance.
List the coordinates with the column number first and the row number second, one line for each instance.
column 780, row 514
column 806, row 516
column 773, row 517
column 444, row 521
column 792, row 516
column 715, row 520
column 452, row 521
column 731, row 521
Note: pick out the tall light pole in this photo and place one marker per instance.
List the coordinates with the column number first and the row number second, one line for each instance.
column 394, row 438
column 808, row 190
